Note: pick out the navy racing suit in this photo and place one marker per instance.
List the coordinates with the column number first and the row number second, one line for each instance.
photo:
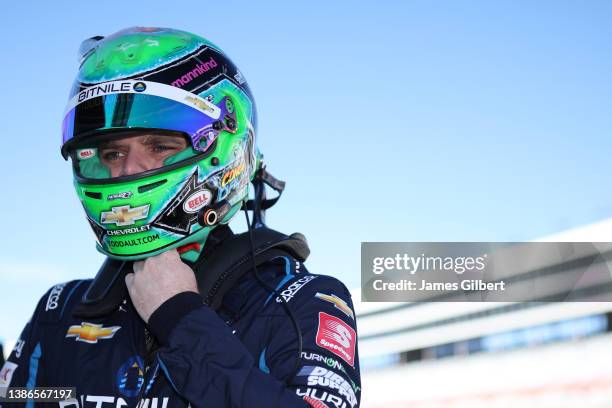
column 243, row 355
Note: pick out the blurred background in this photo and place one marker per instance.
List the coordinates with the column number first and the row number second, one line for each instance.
column 390, row 121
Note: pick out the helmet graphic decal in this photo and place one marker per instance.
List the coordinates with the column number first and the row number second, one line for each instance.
column 174, row 217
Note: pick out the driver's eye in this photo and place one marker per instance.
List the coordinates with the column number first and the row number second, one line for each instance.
column 111, row 155
column 160, row 148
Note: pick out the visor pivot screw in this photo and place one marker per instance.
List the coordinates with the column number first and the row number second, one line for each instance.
column 208, row 218
column 231, row 123
column 217, row 125
column 229, row 105
column 214, row 161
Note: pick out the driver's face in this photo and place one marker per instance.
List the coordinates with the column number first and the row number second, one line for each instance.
column 135, row 154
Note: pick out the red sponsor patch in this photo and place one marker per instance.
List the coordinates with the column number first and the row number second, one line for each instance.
column 315, row 402
column 336, row 336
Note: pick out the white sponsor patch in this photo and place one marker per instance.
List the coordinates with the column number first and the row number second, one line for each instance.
column 6, row 375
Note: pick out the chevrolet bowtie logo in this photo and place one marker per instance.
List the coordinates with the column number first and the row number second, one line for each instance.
column 124, row 215
column 90, row 333
column 338, row 303
column 200, row 104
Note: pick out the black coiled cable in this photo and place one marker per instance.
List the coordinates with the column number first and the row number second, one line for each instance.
column 275, row 292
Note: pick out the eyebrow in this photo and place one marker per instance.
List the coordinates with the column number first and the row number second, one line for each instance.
column 152, row 139
column 112, row 144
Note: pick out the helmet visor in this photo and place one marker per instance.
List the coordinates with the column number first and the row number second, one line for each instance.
column 141, row 105
column 122, row 156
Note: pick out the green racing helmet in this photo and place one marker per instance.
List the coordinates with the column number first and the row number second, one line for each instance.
column 163, row 82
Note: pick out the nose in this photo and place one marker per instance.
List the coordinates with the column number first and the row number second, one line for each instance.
column 137, row 161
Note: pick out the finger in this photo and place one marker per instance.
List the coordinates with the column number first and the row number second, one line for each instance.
column 169, row 254
column 174, row 256
column 137, row 266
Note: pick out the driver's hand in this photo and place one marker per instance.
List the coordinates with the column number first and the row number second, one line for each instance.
column 157, row 279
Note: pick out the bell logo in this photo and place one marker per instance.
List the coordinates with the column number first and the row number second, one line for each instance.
column 84, row 154
column 196, row 201
column 91, row 333
column 124, row 215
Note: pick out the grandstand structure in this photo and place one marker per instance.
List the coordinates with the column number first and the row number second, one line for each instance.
column 496, row 354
